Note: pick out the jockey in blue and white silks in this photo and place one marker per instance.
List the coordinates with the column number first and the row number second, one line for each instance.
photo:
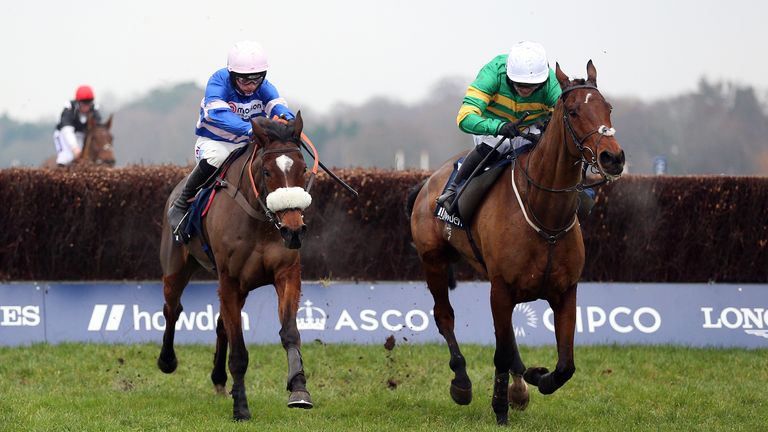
column 225, row 112
column 233, row 96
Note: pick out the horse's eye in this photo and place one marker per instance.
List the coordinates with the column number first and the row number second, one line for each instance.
column 265, row 172
column 573, row 113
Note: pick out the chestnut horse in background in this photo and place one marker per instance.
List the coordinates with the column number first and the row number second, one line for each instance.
column 254, row 228
column 528, row 236
column 97, row 146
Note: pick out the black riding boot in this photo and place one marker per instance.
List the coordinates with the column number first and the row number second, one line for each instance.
column 202, row 172
column 470, row 163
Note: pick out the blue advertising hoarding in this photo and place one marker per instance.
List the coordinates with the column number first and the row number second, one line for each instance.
column 721, row 315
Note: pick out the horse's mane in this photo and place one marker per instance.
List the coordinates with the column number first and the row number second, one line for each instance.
column 276, row 130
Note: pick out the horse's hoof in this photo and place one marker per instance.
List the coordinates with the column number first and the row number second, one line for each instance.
column 502, row 419
column 462, row 396
column 242, row 415
column 220, row 389
column 300, row 399
column 533, row 375
column 167, row 366
column 517, row 393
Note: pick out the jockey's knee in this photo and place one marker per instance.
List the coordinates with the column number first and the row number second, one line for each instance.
column 216, row 159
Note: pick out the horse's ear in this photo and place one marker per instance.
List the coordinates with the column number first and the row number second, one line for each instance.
column 91, row 122
column 562, row 78
column 108, row 123
column 258, row 136
column 591, row 73
column 298, row 126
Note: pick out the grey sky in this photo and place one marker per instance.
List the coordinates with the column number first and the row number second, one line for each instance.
column 330, row 51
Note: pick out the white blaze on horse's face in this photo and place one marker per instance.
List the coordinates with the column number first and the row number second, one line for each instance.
column 586, row 100
column 284, row 163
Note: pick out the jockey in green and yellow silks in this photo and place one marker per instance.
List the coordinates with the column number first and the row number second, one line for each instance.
column 505, row 89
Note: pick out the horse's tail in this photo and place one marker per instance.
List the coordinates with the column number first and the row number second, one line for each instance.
column 412, row 194
column 409, row 203
column 451, row 277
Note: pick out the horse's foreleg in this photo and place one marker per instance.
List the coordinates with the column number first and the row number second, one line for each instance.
column 219, row 372
column 437, row 281
column 565, row 325
column 173, row 287
column 288, row 288
column 232, row 301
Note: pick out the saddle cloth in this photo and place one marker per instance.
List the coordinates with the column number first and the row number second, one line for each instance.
column 193, row 223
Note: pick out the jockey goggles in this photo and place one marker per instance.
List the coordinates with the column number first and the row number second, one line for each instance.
column 526, row 85
column 255, row 78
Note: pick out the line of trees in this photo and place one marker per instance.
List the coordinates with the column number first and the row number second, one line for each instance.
column 721, row 128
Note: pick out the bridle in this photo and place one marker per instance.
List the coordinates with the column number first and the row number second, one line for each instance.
column 259, row 153
column 88, row 147
column 588, row 160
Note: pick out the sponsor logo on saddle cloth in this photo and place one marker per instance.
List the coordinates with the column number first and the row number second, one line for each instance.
column 471, row 198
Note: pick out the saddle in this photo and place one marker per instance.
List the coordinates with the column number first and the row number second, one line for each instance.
column 473, row 194
column 474, row 191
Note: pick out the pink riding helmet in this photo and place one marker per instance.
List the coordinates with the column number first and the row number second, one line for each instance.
column 247, row 57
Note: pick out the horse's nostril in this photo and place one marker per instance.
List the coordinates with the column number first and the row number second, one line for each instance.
column 610, row 159
column 612, row 163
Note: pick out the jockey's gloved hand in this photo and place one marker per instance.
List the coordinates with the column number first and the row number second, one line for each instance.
column 509, row 130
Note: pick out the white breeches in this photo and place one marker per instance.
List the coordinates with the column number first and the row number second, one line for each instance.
column 214, row 152
column 514, row 143
column 68, row 143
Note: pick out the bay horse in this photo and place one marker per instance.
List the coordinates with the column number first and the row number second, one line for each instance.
column 254, row 227
column 97, row 146
column 528, row 237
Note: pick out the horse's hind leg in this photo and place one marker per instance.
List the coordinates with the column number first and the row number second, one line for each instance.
column 173, row 287
column 436, row 269
column 507, row 356
column 565, row 325
column 219, row 372
column 232, row 301
column 288, row 288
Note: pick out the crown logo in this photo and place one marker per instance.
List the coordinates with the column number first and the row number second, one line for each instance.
column 314, row 318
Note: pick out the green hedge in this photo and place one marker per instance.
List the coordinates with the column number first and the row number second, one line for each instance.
column 97, row 224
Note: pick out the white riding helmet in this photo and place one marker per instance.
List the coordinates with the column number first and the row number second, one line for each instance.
column 527, row 63
column 247, row 57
